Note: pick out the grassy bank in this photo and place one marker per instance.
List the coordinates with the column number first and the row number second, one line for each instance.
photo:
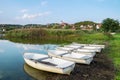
column 58, row 35
column 114, row 54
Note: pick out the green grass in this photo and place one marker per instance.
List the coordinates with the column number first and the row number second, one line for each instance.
column 115, row 54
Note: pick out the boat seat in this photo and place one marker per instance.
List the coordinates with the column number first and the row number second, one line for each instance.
column 63, row 54
column 42, row 58
column 48, row 63
column 44, row 62
column 37, row 60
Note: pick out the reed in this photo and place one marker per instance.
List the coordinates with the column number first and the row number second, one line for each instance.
column 59, row 35
column 32, row 33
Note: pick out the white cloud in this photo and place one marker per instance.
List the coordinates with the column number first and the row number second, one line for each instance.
column 43, row 3
column 32, row 16
column 29, row 16
column 23, row 10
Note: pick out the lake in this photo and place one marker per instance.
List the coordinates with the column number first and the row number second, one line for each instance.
column 12, row 64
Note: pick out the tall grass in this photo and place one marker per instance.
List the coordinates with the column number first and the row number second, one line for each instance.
column 59, row 35
column 27, row 33
column 114, row 53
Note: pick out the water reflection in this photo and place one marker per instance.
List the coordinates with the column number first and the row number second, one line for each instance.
column 11, row 60
column 2, row 36
column 38, row 41
column 1, row 75
column 36, row 74
column 35, row 48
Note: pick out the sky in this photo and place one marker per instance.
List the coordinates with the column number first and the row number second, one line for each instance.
column 55, row 11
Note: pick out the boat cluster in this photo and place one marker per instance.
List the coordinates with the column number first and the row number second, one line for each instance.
column 62, row 60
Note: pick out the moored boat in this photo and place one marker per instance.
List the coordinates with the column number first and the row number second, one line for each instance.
column 72, row 56
column 79, row 50
column 75, row 47
column 96, row 49
column 65, row 48
column 92, row 45
column 50, row 64
column 85, row 51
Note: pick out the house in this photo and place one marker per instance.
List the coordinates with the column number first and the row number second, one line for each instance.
column 63, row 24
column 98, row 26
column 3, row 30
column 90, row 27
column 67, row 25
column 86, row 27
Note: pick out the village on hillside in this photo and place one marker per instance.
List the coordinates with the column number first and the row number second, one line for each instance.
column 85, row 25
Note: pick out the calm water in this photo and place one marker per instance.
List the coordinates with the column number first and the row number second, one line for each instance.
column 12, row 65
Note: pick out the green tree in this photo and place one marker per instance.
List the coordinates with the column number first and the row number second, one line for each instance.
column 110, row 25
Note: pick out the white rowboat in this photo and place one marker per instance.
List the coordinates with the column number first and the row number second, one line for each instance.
column 50, row 64
column 78, row 50
column 87, row 47
column 85, row 52
column 96, row 49
column 75, row 57
column 92, row 45
column 65, row 48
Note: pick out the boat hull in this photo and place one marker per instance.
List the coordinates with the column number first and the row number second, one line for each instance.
column 48, row 68
column 91, row 45
column 82, row 61
column 86, row 53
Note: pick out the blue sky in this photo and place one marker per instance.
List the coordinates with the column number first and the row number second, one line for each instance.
column 52, row 11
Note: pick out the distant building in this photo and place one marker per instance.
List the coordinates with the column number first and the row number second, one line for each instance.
column 81, row 26
column 98, row 26
column 73, row 26
column 86, row 27
column 63, row 24
column 3, row 30
column 90, row 27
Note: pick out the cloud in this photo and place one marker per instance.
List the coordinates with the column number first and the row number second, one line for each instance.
column 29, row 16
column 43, row 3
column 32, row 16
column 23, row 10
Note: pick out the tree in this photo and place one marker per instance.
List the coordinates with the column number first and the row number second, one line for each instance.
column 110, row 25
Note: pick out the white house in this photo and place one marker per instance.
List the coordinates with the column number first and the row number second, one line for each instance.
column 3, row 30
